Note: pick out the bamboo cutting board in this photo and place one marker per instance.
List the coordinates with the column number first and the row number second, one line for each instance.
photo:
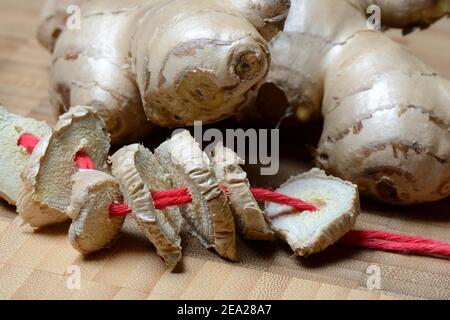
column 40, row 265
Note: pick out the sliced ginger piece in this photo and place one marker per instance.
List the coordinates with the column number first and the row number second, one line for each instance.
column 139, row 174
column 47, row 186
column 310, row 232
column 13, row 157
column 249, row 217
column 209, row 216
column 92, row 227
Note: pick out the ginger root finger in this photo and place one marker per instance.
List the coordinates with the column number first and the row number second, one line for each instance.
column 92, row 227
column 209, row 216
column 311, row 232
column 394, row 140
column 248, row 215
column 13, row 157
column 92, row 66
column 385, row 112
column 47, row 187
column 173, row 62
column 196, row 60
column 139, row 174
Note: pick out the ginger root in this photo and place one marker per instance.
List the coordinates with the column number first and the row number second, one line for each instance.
column 173, row 62
column 386, row 115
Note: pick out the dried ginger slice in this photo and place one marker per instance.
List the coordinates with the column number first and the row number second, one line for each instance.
column 209, row 216
column 139, row 174
column 92, row 227
column 310, row 232
column 13, row 157
column 47, row 187
column 249, row 217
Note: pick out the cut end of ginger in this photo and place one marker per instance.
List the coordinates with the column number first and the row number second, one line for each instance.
column 310, row 232
column 13, row 157
column 92, row 227
column 45, row 193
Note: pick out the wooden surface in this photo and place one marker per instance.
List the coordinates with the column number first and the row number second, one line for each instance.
column 35, row 265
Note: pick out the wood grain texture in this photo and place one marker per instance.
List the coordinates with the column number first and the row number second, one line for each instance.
column 35, row 265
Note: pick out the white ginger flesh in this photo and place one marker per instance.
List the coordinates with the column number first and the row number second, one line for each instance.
column 13, row 157
column 178, row 60
column 47, row 186
column 208, row 217
column 386, row 115
column 93, row 228
column 310, row 232
column 140, row 174
column 249, row 217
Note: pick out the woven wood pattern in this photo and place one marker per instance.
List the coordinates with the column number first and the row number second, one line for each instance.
column 35, row 265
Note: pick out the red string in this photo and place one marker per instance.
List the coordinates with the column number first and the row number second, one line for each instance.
column 385, row 241
column 271, row 196
column 177, row 201
column 119, row 210
column 28, row 141
column 376, row 240
column 83, row 161
column 382, row 235
column 174, row 193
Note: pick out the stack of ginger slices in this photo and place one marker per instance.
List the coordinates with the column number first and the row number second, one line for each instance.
column 48, row 188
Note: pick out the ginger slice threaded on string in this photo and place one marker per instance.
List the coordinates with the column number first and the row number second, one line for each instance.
column 209, row 216
column 47, row 187
column 93, row 228
column 310, row 232
column 139, row 174
column 13, row 155
column 249, row 217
